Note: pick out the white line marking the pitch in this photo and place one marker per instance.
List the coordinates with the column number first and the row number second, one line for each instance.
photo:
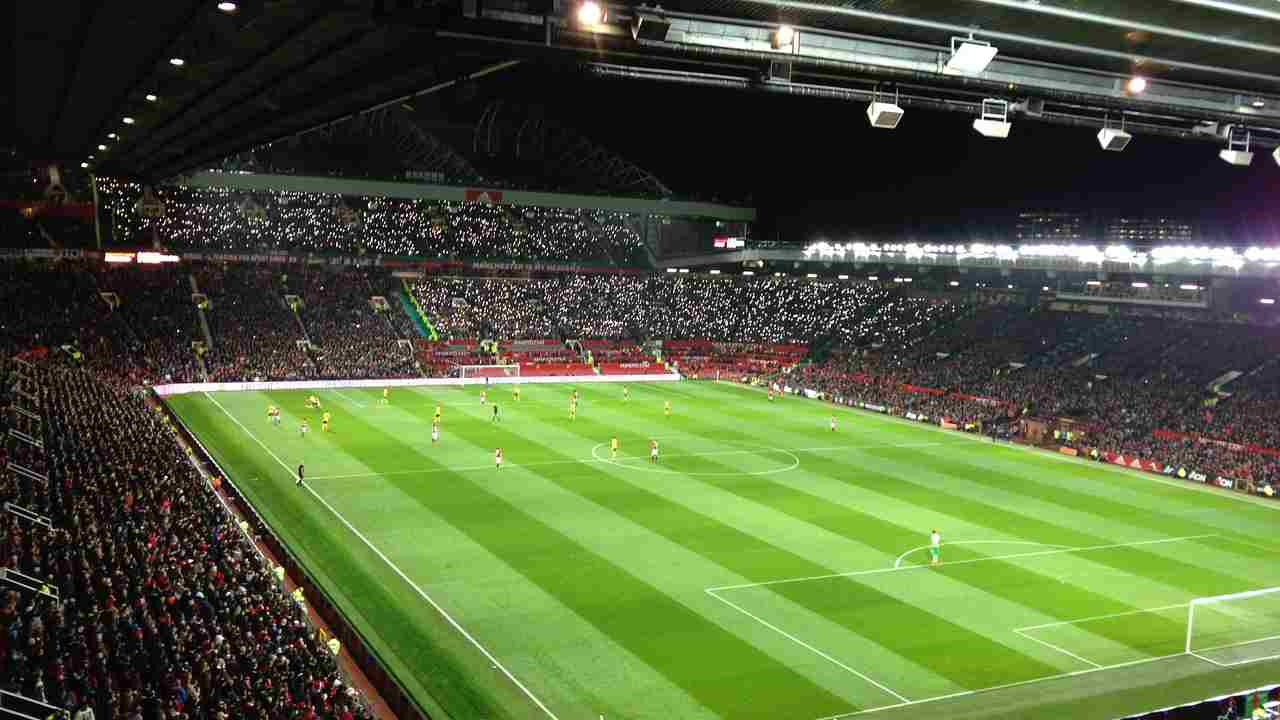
column 1005, row 686
column 903, row 556
column 393, row 566
column 1051, row 646
column 807, row 646
column 1038, row 553
column 1100, row 617
column 349, row 399
column 584, row 461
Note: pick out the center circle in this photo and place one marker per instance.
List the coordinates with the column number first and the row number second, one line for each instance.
column 793, row 461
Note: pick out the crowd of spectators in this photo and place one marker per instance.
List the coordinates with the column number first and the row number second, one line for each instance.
column 752, row 310
column 220, row 220
column 350, row 337
column 154, row 604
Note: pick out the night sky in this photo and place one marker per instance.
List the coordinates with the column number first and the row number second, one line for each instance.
column 815, row 168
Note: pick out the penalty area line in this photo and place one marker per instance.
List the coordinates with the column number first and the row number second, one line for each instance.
column 806, row 645
column 443, row 613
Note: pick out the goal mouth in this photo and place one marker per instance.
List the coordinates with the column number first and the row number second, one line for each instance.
column 1235, row 629
column 467, row 372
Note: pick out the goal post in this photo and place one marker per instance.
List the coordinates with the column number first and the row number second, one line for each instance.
column 1235, row 629
column 474, row 372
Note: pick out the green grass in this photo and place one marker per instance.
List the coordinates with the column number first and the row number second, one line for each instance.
column 621, row 589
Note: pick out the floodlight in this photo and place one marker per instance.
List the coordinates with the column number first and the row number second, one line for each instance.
column 1237, row 151
column 128, row 120
column 227, row 6
column 1267, row 301
column 591, row 13
column 102, row 147
column 1136, row 84
column 1113, row 139
column 969, row 56
column 177, row 61
column 152, row 97
column 994, row 122
column 84, row 164
column 884, row 115
column 1276, row 155
column 783, row 37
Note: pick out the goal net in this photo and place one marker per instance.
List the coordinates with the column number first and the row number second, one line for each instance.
column 468, row 372
column 1235, row 629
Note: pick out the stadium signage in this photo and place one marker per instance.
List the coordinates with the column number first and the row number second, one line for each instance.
column 186, row 388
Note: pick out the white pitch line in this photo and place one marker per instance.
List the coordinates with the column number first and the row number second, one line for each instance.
column 714, row 453
column 804, row 644
column 1108, row 616
column 903, row 556
column 1039, row 553
column 1051, row 646
column 1201, row 488
column 394, row 567
column 1005, row 686
column 349, row 399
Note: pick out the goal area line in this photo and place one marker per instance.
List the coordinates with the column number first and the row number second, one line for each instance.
column 902, row 700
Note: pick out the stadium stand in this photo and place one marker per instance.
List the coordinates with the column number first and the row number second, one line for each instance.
column 146, row 599
column 215, row 220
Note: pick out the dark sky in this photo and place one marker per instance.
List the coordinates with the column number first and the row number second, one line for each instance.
column 815, row 166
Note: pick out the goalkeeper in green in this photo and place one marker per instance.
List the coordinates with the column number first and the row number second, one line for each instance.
column 935, row 548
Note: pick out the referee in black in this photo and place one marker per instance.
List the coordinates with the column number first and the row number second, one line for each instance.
column 301, row 471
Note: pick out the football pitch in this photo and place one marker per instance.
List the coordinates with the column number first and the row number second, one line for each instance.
column 765, row 567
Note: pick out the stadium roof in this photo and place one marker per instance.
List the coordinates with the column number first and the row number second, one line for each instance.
column 273, row 68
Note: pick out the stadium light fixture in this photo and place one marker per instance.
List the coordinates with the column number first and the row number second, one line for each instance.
column 684, row 270
column 591, row 13
column 227, row 6
column 873, row 278
column 1276, row 154
column 102, row 147
column 1258, row 103
column 714, row 271
column 885, row 115
column 777, row 274
column 1139, row 285
column 969, row 56
column 784, row 37
column 994, row 122
column 152, row 97
column 842, row 277
column 1094, row 283
column 84, row 165
column 128, row 120
column 1187, row 286
column 1267, row 301
column 748, row 272
column 112, row 136
column 671, row 270
column 1044, row 288
column 1237, row 150
column 177, row 61
column 954, row 283
column 1010, row 287
column 1136, row 85
column 1113, row 139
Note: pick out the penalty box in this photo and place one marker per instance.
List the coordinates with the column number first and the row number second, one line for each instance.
column 823, row 614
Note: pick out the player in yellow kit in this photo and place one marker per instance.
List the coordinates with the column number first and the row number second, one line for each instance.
column 324, row 422
column 626, row 393
column 613, row 446
column 438, row 412
column 386, row 395
column 573, row 410
column 515, row 393
column 666, row 408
